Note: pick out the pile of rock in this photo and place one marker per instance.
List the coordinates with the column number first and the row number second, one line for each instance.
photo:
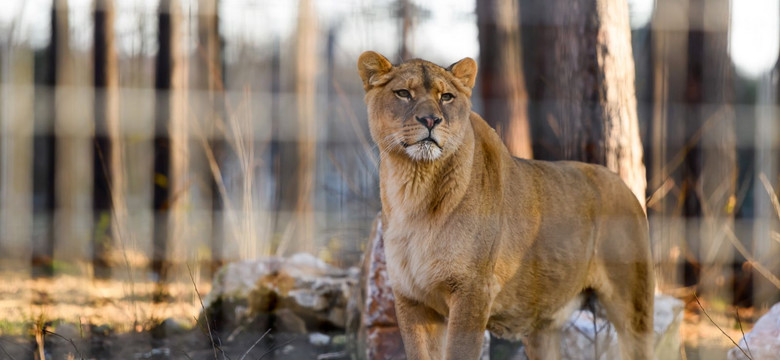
column 299, row 294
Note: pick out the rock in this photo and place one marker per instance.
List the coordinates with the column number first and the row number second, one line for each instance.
column 586, row 337
column 378, row 336
column 763, row 341
column 314, row 291
column 319, row 339
column 289, row 322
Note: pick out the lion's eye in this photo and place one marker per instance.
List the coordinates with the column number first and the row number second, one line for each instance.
column 447, row 97
column 403, row 93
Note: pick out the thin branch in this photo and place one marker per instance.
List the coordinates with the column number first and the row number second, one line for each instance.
column 6, row 353
column 66, row 339
column 739, row 322
column 771, row 192
column 760, row 268
column 278, row 347
column 719, row 328
column 255, row 344
column 205, row 313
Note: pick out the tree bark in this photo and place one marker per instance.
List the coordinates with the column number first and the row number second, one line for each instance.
column 504, row 96
column 585, row 88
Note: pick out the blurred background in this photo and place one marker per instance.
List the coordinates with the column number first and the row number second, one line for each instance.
column 145, row 143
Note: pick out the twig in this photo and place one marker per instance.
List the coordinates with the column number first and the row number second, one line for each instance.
column 277, row 347
column 6, row 352
column 255, row 344
column 205, row 314
column 66, row 339
column 739, row 322
column 719, row 328
column 333, row 355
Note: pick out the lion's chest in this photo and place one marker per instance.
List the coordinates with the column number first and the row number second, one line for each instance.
column 421, row 263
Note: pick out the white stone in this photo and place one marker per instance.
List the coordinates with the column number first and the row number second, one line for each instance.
column 763, row 342
column 577, row 340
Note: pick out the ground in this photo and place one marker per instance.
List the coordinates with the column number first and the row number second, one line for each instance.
column 119, row 319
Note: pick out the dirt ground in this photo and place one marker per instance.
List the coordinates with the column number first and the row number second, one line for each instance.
column 121, row 319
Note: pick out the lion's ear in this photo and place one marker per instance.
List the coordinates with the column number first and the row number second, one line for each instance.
column 465, row 71
column 372, row 66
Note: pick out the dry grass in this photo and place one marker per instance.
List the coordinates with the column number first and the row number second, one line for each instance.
column 82, row 301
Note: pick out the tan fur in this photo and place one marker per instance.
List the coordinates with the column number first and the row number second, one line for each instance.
column 476, row 239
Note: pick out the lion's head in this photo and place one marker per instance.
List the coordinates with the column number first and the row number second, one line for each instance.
column 417, row 109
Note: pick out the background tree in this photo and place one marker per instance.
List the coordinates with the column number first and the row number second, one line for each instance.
column 502, row 84
column 583, row 86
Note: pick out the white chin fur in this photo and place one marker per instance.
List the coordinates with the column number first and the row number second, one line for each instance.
column 425, row 151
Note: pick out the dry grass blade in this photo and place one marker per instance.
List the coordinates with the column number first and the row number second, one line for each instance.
column 66, row 339
column 739, row 322
column 771, row 192
column 6, row 352
column 205, row 313
column 775, row 236
column 719, row 328
column 278, row 347
column 255, row 344
column 760, row 268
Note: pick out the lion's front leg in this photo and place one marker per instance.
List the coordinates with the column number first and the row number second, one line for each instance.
column 466, row 326
column 422, row 329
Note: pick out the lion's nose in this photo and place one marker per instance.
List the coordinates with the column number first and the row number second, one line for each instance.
column 429, row 121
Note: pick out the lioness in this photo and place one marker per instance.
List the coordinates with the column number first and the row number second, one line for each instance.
column 476, row 239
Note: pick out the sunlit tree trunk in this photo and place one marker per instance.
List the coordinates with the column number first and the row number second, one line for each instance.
column 586, row 88
column 299, row 235
column 504, row 96
column 109, row 171
column 711, row 185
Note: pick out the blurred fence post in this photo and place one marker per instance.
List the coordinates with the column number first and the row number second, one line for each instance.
column 16, row 157
column 711, row 189
column 766, row 229
column 299, row 233
column 73, row 129
column 109, row 168
column 667, row 225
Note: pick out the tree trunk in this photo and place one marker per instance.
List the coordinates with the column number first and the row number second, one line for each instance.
column 585, row 87
column 405, row 51
column 110, row 208
column 504, row 96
